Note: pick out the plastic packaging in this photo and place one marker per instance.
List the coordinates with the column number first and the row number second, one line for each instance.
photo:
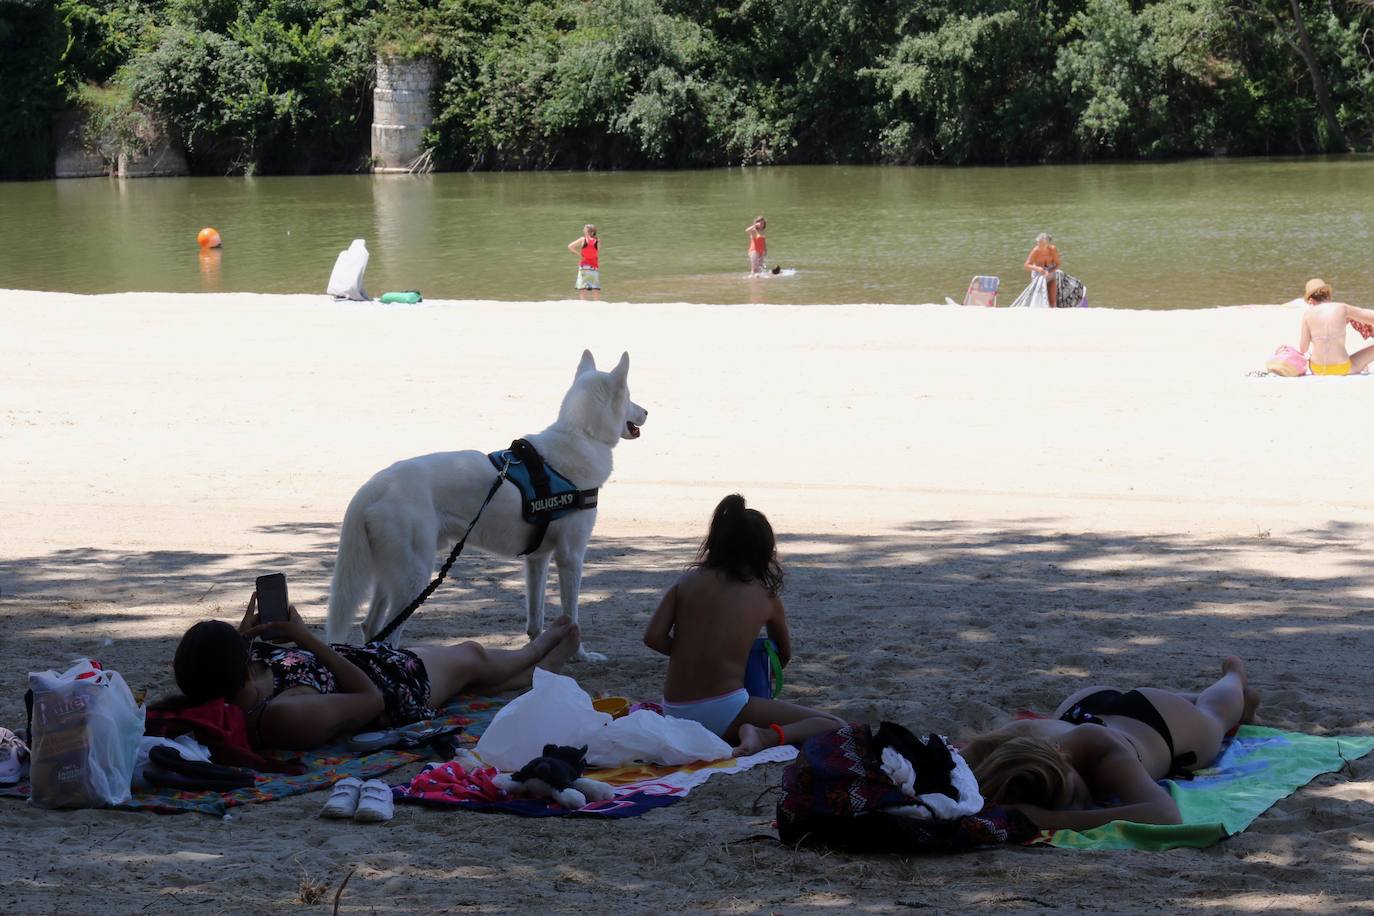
column 651, row 738
column 86, row 731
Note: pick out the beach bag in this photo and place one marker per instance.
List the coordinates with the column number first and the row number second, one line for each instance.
column 408, row 297
column 835, row 795
column 86, row 731
column 763, row 670
column 1287, row 361
column 346, row 281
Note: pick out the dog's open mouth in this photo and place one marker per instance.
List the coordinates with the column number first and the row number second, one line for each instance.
column 631, row 430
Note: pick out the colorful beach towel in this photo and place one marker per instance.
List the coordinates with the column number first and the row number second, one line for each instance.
column 639, row 788
column 1259, row 767
column 323, row 767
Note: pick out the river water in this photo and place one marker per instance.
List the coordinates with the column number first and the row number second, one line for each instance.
column 1173, row 235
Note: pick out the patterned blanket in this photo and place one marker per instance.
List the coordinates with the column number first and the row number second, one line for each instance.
column 323, row 767
column 639, row 788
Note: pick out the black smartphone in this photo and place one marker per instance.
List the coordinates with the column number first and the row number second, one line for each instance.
column 272, row 601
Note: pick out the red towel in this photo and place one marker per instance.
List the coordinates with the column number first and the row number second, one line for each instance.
column 222, row 728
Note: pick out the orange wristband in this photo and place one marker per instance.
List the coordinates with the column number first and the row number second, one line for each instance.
column 782, row 739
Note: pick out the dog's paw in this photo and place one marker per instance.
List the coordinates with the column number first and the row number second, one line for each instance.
column 587, row 655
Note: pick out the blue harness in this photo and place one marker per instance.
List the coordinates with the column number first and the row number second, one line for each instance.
column 545, row 494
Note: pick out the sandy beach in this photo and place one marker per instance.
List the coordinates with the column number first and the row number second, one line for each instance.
column 979, row 510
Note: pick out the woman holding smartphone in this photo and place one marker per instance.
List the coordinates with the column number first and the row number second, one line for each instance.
column 306, row 694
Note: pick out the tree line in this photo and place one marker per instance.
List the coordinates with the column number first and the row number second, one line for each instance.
column 284, row 86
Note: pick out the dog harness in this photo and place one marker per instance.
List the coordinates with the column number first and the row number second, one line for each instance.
column 545, row 494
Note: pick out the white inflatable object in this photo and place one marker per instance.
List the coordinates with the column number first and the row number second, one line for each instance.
column 346, row 282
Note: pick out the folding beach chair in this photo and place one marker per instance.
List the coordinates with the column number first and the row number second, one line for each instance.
column 982, row 291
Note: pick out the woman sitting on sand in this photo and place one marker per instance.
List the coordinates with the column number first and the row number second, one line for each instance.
column 1100, row 758
column 297, row 698
column 707, row 623
column 1323, row 329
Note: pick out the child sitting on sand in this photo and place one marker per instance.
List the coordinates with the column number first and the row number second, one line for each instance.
column 706, row 625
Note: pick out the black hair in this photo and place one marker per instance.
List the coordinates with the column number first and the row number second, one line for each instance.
column 211, row 662
column 740, row 544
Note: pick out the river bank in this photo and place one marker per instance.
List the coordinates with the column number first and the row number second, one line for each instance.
column 979, row 510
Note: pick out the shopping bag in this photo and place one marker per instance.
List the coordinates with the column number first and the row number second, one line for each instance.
column 86, row 731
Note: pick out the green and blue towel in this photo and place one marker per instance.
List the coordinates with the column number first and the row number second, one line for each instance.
column 1259, row 767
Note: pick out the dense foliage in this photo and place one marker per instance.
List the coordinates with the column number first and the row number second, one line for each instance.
column 284, row 85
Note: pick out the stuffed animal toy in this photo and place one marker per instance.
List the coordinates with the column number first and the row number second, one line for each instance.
column 557, row 774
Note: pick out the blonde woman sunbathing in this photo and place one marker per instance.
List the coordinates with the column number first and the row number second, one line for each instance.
column 1100, row 758
column 1323, row 329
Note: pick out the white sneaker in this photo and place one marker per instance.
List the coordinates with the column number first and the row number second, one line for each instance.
column 343, row 801
column 14, row 758
column 375, row 805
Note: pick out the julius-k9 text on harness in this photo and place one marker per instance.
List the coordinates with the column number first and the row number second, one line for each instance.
column 545, row 494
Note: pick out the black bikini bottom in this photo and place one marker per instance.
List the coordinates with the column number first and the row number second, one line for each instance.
column 1130, row 705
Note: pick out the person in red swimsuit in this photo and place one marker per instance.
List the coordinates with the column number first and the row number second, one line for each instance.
column 587, row 247
column 758, row 245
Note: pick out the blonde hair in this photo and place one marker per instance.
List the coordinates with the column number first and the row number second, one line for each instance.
column 1317, row 290
column 1018, row 769
column 760, row 222
column 1044, row 237
column 589, row 229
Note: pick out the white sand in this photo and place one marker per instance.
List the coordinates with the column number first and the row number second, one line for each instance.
column 979, row 510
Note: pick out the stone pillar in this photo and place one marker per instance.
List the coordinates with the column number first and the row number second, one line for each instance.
column 400, row 111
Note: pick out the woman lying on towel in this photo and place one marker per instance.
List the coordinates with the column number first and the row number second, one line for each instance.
column 304, row 695
column 1101, row 756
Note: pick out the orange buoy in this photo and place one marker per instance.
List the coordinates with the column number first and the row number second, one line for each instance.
column 208, row 238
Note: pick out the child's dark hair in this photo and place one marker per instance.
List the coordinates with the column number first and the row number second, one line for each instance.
column 211, row 662
column 740, row 544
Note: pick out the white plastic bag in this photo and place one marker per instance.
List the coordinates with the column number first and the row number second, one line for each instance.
column 86, row 730
column 554, row 711
column 346, row 281
column 646, row 736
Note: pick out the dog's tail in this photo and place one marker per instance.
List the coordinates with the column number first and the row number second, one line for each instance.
column 353, row 575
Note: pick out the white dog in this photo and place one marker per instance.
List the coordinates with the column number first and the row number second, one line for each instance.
column 398, row 519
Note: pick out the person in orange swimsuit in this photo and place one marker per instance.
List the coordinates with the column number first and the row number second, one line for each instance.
column 1044, row 259
column 1323, row 330
column 758, row 245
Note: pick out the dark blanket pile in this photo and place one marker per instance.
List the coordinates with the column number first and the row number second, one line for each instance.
column 834, row 793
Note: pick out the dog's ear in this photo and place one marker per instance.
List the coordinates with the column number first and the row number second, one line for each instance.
column 622, row 369
column 585, row 365
column 550, row 750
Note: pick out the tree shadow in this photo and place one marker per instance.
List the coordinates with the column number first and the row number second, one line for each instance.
column 947, row 626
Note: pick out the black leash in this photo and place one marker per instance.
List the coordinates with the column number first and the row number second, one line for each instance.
column 443, row 570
